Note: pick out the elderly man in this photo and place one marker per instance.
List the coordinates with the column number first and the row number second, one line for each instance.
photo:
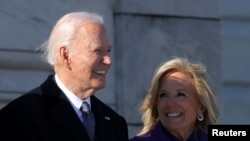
column 64, row 108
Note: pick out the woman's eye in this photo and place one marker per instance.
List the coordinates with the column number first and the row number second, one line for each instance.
column 181, row 94
column 162, row 95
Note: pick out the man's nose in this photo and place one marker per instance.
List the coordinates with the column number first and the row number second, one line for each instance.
column 107, row 59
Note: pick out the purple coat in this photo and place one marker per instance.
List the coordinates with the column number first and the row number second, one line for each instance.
column 160, row 134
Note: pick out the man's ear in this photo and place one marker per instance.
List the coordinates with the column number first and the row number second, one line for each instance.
column 64, row 56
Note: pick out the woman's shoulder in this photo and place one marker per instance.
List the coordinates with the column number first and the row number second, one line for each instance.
column 140, row 138
column 156, row 134
column 202, row 135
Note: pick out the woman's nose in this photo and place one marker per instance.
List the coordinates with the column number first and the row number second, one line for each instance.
column 171, row 101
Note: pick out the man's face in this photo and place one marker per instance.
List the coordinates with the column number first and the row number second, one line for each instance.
column 90, row 57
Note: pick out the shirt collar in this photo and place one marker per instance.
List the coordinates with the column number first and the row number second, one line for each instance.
column 75, row 101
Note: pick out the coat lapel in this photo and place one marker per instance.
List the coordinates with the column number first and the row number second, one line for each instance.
column 60, row 108
column 104, row 128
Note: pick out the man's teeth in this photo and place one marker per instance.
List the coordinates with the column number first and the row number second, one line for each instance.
column 102, row 72
column 174, row 114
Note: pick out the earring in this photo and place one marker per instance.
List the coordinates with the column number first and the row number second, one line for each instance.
column 200, row 117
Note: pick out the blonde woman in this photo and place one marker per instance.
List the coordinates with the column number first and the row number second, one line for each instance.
column 179, row 105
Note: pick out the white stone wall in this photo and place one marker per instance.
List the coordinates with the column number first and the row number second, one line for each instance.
column 235, row 43
column 144, row 34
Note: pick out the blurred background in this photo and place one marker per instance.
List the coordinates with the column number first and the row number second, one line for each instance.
column 144, row 33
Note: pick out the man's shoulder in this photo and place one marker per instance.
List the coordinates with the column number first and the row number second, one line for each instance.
column 26, row 97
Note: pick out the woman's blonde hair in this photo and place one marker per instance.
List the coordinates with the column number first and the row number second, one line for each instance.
column 206, row 94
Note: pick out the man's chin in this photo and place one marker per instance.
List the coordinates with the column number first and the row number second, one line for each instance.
column 101, row 86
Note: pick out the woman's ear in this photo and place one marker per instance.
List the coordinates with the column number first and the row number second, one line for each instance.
column 202, row 110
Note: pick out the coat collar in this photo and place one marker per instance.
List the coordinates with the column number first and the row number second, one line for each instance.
column 63, row 113
column 160, row 134
column 60, row 108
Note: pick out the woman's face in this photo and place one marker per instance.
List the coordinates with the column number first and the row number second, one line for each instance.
column 177, row 104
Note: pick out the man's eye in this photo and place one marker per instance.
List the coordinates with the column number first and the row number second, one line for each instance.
column 102, row 52
column 98, row 51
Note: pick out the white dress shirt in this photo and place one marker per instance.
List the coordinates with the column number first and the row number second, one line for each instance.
column 75, row 101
